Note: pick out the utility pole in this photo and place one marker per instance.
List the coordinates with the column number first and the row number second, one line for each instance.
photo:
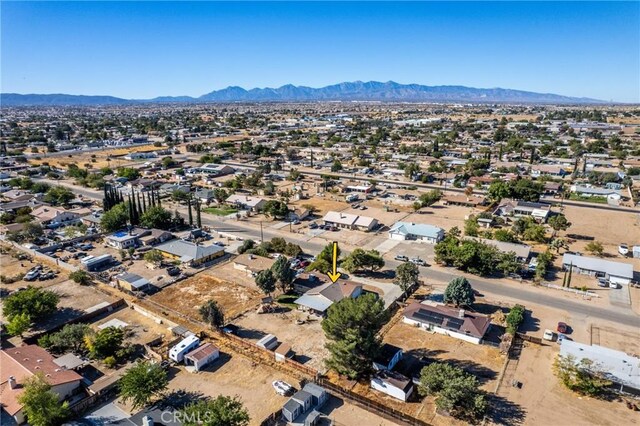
column 261, row 234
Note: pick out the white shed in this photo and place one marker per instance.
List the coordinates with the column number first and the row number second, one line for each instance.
column 268, row 342
column 202, row 356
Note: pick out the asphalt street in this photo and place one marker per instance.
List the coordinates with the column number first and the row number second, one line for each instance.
column 495, row 288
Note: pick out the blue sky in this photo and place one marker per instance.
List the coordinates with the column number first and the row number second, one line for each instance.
column 147, row 49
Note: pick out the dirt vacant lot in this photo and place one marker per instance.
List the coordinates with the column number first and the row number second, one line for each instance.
column 307, row 340
column 188, row 295
column 235, row 375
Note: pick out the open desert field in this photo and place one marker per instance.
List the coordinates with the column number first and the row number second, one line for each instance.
column 188, row 295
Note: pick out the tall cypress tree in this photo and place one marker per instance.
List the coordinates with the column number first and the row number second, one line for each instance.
column 158, row 198
column 198, row 219
column 190, row 213
column 139, row 204
column 144, row 204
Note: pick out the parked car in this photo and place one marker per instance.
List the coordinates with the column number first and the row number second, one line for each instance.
column 47, row 276
column 401, row 258
column 230, row 329
column 172, row 271
column 86, row 246
column 418, row 261
column 562, row 327
column 549, row 335
column 282, row 388
column 304, row 264
column 623, row 249
column 31, row 275
column 602, row 282
column 313, row 225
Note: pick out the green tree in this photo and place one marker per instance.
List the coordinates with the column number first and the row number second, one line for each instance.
column 179, row 195
column 212, row 314
column 336, row 166
column 430, row 198
column 153, row 256
column 35, row 302
column 471, row 226
column 360, row 259
column 128, row 172
column 81, row 277
column 156, row 217
column 535, row 232
column 505, row 235
column 595, row 247
column 275, row 209
column 459, row 292
column 352, row 327
column 58, row 195
column 19, row 324
column 116, row 218
column 283, row 273
column 583, row 377
column 106, row 342
column 220, row 411
column 142, row 382
column 407, row 275
column 559, row 222
column 70, row 338
column 266, row 281
column 544, row 261
column 456, row 391
column 40, row 403
column 323, row 262
column 245, row 246
column 515, row 318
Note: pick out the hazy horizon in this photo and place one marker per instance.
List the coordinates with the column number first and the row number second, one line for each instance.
column 141, row 50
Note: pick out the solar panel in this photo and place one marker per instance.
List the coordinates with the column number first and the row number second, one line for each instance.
column 455, row 323
column 430, row 317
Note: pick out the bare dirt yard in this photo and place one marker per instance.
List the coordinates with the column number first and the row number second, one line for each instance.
column 233, row 375
column 542, row 400
column 188, row 295
column 620, row 339
column 142, row 329
column 307, row 340
column 445, row 217
column 481, row 360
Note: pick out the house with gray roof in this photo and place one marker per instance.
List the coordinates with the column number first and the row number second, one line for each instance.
column 614, row 272
column 617, row 366
column 189, row 252
column 319, row 299
column 417, row 232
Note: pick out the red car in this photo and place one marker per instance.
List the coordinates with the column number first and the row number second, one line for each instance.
column 562, row 327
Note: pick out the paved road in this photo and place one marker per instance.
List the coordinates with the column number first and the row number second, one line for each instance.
column 496, row 288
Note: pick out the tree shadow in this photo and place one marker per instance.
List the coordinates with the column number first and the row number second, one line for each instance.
column 505, row 412
column 178, row 399
column 529, row 323
column 333, row 403
column 414, row 360
column 482, row 373
column 249, row 333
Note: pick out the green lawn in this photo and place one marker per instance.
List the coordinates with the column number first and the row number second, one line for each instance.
column 220, row 211
column 599, row 200
column 287, row 300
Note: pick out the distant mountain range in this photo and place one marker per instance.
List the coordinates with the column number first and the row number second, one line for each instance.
column 351, row 91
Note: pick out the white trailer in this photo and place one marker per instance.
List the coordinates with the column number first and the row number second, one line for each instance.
column 186, row 345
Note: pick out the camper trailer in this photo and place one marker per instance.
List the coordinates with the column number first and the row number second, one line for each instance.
column 185, row 346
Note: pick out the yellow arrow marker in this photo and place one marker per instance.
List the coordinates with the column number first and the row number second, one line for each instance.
column 334, row 275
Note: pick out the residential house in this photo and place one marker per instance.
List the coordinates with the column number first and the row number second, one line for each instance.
column 547, row 170
column 462, row 200
column 298, row 213
column 417, row 232
column 211, row 169
column 246, row 202
column 518, row 208
column 21, row 363
column 350, row 221
column 155, row 236
column 612, row 195
column 123, row 240
column 319, row 299
column 252, row 264
column 205, row 195
column 190, row 253
column 615, row 272
column 468, row 326
column 54, row 216
column 168, row 188
column 618, row 367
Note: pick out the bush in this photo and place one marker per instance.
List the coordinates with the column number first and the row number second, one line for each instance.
column 515, row 318
column 110, row 361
